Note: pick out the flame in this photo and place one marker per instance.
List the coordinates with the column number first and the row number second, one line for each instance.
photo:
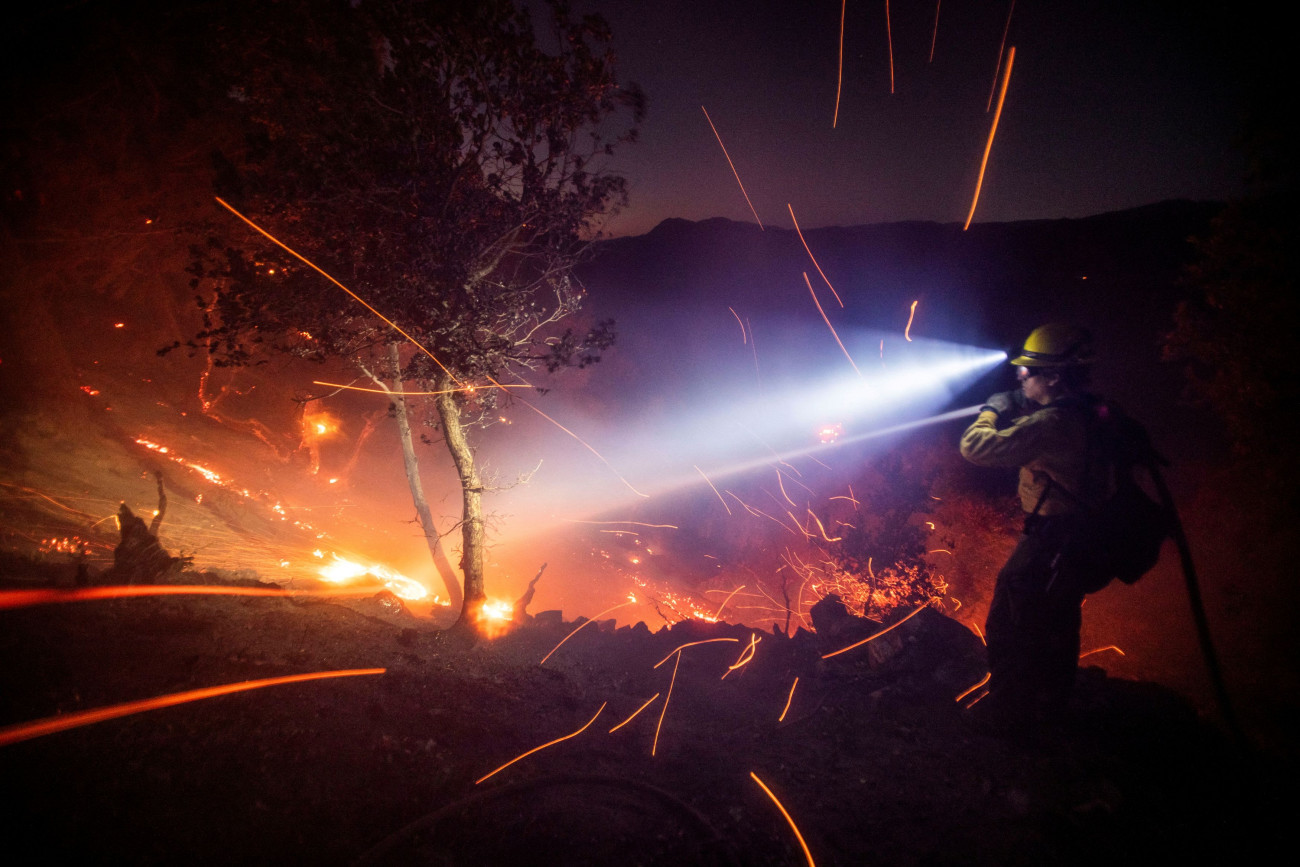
column 341, row 571
column 494, row 617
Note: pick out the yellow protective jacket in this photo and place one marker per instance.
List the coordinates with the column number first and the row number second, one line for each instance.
column 1050, row 443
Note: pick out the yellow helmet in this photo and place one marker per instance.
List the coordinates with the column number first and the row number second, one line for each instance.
column 1056, row 345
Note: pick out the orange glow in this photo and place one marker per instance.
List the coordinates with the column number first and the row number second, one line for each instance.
column 1011, row 59
column 715, row 490
column 51, row 725
column 320, row 425
column 583, row 624
column 828, row 324
column 635, row 713
column 25, row 598
column 788, row 699
column 814, row 258
column 718, row 613
column 341, row 571
column 733, row 166
column 539, row 749
column 354, row 295
column 907, row 332
column 889, row 34
column 655, row 745
column 839, row 81
column 967, row 692
column 1001, row 47
column 784, row 812
column 1103, row 650
column 494, row 617
column 876, row 635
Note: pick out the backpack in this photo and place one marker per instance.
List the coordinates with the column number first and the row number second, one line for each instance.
column 1120, row 536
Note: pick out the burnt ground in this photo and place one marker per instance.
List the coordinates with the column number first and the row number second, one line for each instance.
column 873, row 760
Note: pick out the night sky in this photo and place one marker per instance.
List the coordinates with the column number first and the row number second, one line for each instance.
column 1110, row 105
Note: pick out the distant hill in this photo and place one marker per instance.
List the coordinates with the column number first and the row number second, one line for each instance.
column 1117, row 273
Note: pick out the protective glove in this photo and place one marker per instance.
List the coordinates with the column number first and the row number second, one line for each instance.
column 1007, row 404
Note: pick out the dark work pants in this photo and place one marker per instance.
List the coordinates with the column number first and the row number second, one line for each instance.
column 1033, row 625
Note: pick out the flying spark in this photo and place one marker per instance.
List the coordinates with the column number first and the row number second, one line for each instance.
column 1011, row 59
column 889, row 33
column 807, row 853
column 828, row 324
column 743, row 337
column 51, row 725
column 1001, row 47
column 733, row 167
column 745, row 655
column 655, row 745
column 876, row 635
column 354, row 295
column 1102, row 650
column 635, row 713
column 542, row 747
column 935, row 36
column 811, row 256
column 788, row 700
column 715, row 490
column 583, row 624
column 839, row 81
column 967, row 692
column 718, row 613
column 907, row 332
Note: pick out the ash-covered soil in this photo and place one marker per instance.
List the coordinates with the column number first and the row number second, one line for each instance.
column 873, row 759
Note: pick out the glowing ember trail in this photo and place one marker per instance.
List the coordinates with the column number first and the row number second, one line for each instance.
column 811, row 256
column 828, row 325
column 388, row 391
column 907, row 332
column 889, row 34
column 63, row 722
column 24, row 598
column 745, row 655
column 839, row 81
column 1103, row 650
column 744, row 338
column 733, row 167
column 718, row 613
column 655, row 745
column 1011, row 59
column 784, row 812
column 354, row 295
column 935, row 36
column 542, row 747
column 790, row 698
column 1001, row 47
column 876, row 635
column 975, row 687
column 635, row 713
column 583, row 624
column 679, row 649
column 585, row 445
column 715, row 490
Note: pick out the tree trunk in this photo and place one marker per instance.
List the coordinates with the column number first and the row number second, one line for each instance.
column 440, row 561
column 471, row 525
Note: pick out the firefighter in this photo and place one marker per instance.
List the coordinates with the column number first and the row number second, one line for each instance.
column 1033, row 623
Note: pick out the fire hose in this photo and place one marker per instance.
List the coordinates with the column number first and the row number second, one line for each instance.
column 1198, row 608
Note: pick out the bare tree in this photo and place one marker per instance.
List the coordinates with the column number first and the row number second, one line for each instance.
column 446, row 167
